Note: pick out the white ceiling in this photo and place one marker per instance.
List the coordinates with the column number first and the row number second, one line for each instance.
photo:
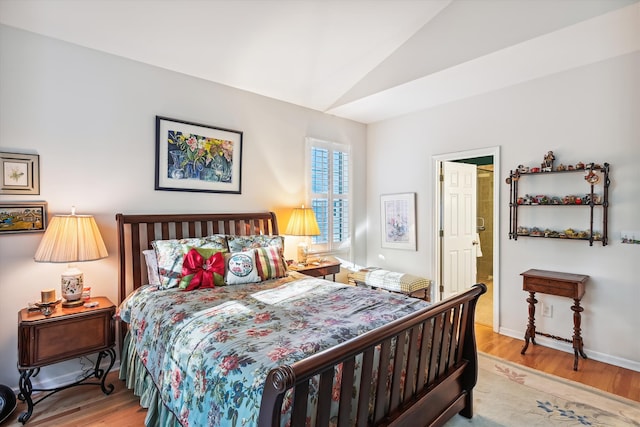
column 366, row 60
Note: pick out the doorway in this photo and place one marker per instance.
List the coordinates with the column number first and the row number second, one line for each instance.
column 487, row 162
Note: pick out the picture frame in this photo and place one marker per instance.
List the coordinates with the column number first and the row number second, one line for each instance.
column 398, row 221
column 23, row 217
column 197, row 157
column 19, row 173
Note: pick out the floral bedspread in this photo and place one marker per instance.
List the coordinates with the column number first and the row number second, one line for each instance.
column 208, row 351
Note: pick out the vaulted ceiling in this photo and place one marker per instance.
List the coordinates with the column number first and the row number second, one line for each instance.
column 366, row 60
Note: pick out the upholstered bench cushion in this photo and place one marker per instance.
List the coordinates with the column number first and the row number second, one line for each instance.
column 389, row 280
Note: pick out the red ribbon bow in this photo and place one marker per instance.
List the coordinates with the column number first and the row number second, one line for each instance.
column 202, row 269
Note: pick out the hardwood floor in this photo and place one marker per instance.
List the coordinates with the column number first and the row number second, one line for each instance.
column 613, row 379
column 87, row 406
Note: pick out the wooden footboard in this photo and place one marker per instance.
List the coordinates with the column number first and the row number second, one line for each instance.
column 426, row 374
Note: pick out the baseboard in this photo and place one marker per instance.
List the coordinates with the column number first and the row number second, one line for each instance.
column 567, row 348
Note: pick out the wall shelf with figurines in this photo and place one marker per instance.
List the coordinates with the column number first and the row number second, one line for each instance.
column 593, row 199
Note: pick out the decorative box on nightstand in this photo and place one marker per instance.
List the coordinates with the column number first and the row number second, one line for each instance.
column 65, row 334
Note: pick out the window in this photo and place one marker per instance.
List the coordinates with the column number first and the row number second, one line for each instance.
column 329, row 174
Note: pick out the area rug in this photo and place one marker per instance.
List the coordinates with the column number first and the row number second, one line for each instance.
column 512, row 395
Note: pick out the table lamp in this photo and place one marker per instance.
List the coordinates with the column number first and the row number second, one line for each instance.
column 71, row 238
column 303, row 223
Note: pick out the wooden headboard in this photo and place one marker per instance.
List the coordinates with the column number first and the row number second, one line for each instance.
column 136, row 232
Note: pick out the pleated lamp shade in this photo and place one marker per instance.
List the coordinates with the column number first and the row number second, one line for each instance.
column 303, row 223
column 71, row 238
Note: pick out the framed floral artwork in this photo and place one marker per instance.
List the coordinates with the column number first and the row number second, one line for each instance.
column 20, row 173
column 196, row 157
column 398, row 214
column 23, row 217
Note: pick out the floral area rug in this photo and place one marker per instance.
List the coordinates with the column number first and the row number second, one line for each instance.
column 512, row 395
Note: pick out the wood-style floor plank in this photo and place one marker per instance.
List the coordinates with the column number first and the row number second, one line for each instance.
column 87, row 406
column 613, row 379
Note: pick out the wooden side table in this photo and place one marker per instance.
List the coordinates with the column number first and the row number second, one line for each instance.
column 65, row 334
column 560, row 284
column 324, row 268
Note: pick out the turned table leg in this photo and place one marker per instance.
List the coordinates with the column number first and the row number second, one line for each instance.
column 577, row 338
column 530, row 335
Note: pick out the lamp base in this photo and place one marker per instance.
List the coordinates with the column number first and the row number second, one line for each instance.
column 72, row 282
column 76, row 303
column 303, row 253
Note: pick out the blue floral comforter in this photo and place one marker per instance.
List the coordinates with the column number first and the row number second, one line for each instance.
column 208, row 351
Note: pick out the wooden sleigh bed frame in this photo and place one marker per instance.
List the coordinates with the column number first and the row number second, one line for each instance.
column 433, row 374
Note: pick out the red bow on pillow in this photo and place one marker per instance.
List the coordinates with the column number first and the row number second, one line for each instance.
column 201, row 270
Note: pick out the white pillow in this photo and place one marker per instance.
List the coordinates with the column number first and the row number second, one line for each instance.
column 241, row 268
column 152, row 266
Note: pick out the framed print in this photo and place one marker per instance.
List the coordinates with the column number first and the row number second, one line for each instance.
column 20, row 173
column 197, row 157
column 23, row 217
column 398, row 214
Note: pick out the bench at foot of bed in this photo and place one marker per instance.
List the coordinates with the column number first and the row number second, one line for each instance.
column 403, row 283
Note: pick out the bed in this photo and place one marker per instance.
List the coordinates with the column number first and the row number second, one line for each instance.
column 398, row 362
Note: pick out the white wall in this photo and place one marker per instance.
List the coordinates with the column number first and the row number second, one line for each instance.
column 91, row 118
column 585, row 114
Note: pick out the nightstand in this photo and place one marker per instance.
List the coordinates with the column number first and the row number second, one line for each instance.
column 324, row 268
column 65, row 334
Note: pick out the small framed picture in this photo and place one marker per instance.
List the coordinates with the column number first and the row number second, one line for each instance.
column 23, row 217
column 398, row 214
column 197, row 157
column 20, row 173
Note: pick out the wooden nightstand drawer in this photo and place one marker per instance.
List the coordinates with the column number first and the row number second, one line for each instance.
column 324, row 268
column 553, row 287
column 66, row 338
column 67, row 333
column 554, row 283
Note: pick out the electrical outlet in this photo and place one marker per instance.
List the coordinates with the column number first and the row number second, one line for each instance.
column 547, row 310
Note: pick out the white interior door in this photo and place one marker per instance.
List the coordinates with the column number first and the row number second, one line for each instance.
column 459, row 243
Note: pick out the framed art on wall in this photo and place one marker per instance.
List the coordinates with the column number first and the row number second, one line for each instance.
column 23, row 217
column 197, row 157
column 20, row 173
column 398, row 215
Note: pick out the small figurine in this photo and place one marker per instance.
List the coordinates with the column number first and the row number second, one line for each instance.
column 523, row 169
column 579, row 166
column 561, row 167
column 547, row 165
column 592, row 177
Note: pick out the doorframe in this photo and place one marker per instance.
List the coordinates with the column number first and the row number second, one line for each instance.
column 437, row 215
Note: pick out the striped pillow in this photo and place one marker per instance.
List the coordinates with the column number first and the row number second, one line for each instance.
column 269, row 263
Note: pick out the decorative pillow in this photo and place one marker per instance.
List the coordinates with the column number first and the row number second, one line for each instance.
column 152, row 266
column 244, row 243
column 241, row 268
column 170, row 254
column 270, row 263
column 202, row 268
